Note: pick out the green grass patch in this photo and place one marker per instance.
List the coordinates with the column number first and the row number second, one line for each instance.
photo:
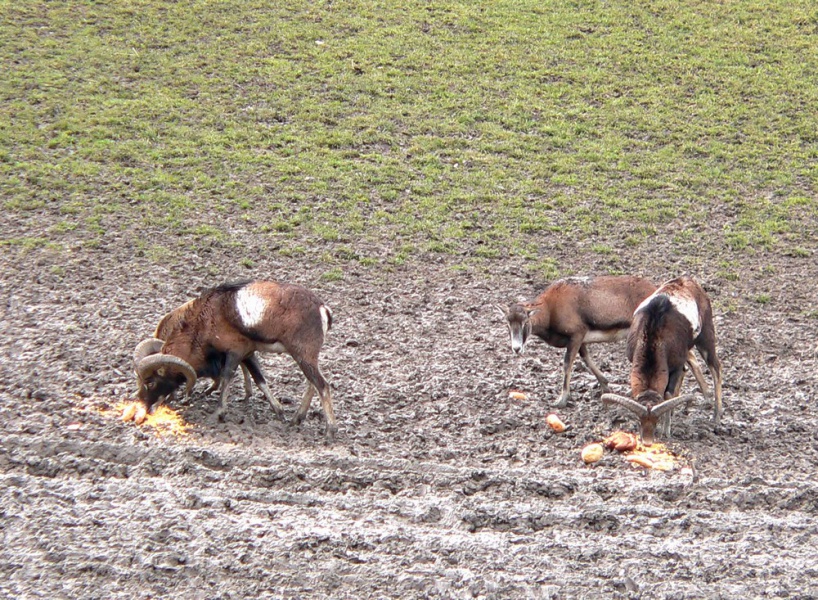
column 336, row 274
column 439, row 126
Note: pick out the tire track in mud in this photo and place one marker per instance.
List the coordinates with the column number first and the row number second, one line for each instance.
column 333, row 473
column 183, row 518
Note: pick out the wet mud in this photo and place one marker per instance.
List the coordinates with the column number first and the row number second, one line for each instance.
column 440, row 485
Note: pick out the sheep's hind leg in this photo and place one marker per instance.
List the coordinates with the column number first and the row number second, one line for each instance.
column 715, row 371
column 697, row 373
column 329, row 414
column 304, row 407
column 316, row 382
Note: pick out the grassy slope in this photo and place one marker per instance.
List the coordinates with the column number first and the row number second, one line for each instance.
column 459, row 128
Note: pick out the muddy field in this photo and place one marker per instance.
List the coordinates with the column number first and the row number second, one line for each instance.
column 439, row 484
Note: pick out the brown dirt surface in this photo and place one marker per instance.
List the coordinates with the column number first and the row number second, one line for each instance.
column 440, row 485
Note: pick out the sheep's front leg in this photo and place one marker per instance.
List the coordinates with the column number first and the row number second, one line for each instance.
column 231, row 363
column 248, row 384
column 255, row 370
column 567, row 366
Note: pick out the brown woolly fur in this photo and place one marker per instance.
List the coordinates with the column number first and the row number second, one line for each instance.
column 666, row 327
column 224, row 328
column 577, row 311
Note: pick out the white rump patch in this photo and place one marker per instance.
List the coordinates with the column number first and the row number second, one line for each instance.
column 251, row 307
column 326, row 313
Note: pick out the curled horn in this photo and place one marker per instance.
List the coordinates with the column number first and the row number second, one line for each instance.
column 641, row 410
column 629, row 403
column 149, row 365
column 669, row 405
column 146, row 348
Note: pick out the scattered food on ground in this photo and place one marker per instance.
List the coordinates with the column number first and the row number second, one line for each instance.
column 592, row 453
column 555, row 423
